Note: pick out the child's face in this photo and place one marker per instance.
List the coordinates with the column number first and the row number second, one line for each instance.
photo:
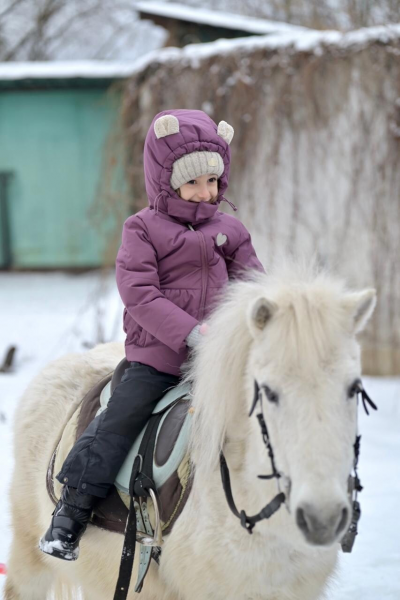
column 201, row 189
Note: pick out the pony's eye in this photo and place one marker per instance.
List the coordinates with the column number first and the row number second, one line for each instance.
column 354, row 389
column 272, row 396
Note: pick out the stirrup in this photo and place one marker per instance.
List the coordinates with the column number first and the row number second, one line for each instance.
column 144, row 538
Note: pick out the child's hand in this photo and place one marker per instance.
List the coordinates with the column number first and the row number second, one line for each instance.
column 204, row 329
column 194, row 336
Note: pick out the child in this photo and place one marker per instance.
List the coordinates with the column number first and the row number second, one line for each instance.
column 176, row 256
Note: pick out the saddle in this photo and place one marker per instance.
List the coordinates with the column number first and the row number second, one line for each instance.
column 170, row 460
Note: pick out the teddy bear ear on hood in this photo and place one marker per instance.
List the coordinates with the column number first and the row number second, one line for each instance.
column 225, row 131
column 166, row 125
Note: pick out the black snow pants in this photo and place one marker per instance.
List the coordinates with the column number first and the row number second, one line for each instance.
column 94, row 461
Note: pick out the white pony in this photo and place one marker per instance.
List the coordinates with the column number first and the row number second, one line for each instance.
column 295, row 333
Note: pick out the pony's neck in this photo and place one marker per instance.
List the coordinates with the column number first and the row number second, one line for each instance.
column 222, row 395
column 219, row 398
column 246, row 456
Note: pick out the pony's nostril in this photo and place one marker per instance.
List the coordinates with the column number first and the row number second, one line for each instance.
column 343, row 521
column 301, row 520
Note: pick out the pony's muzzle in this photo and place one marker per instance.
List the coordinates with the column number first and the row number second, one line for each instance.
column 323, row 528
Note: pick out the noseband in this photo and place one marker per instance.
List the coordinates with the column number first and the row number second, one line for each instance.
column 249, row 522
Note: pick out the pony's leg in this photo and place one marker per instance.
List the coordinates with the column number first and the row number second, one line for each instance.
column 28, row 577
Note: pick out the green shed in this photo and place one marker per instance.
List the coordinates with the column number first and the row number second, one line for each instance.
column 56, row 120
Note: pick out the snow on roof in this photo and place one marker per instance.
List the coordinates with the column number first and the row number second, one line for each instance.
column 214, row 18
column 85, row 69
column 308, row 41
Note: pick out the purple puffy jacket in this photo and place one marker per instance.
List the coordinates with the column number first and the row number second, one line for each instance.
column 176, row 256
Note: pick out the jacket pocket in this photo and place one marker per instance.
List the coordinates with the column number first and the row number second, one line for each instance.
column 186, row 299
column 142, row 337
column 135, row 334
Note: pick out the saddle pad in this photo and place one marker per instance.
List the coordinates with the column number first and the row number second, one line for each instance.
column 171, row 461
column 171, row 441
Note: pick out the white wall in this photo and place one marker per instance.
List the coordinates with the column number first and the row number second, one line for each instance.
column 315, row 157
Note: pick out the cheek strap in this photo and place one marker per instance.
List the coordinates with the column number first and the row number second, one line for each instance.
column 271, row 508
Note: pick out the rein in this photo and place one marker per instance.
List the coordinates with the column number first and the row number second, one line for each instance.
column 249, row 522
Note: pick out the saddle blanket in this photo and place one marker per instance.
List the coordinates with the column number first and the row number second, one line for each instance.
column 171, row 462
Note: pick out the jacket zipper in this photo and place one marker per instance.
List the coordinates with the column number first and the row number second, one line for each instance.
column 204, row 271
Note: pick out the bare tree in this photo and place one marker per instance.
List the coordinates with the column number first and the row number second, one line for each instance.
column 79, row 29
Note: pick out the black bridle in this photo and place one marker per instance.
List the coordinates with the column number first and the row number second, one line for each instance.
column 249, row 522
column 275, row 504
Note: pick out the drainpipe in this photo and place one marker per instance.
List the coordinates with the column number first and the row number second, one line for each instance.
column 5, row 234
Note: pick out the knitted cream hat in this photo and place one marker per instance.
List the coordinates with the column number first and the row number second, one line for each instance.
column 195, row 164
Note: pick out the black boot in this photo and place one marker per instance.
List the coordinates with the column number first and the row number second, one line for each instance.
column 70, row 518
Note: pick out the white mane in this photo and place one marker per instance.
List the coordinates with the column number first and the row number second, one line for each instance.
column 311, row 319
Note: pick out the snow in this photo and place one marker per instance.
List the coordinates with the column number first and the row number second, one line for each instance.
column 88, row 69
column 215, row 18
column 69, row 312
column 308, row 41
column 49, row 548
column 300, row 41
column 61, row 316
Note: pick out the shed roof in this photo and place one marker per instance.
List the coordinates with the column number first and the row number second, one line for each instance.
column 61, row 74
column 214, row 18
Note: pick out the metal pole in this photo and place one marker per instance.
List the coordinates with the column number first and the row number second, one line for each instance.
column 5, row 233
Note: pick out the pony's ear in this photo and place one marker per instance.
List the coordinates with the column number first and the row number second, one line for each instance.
column 261, row 311
column 225, row 131
column 166, row 125
column 360, row 306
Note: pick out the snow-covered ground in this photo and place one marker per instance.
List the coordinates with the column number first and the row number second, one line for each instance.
column 48, row 315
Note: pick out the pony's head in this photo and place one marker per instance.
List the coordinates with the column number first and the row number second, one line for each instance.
column 306, row 361
column 294, row 334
